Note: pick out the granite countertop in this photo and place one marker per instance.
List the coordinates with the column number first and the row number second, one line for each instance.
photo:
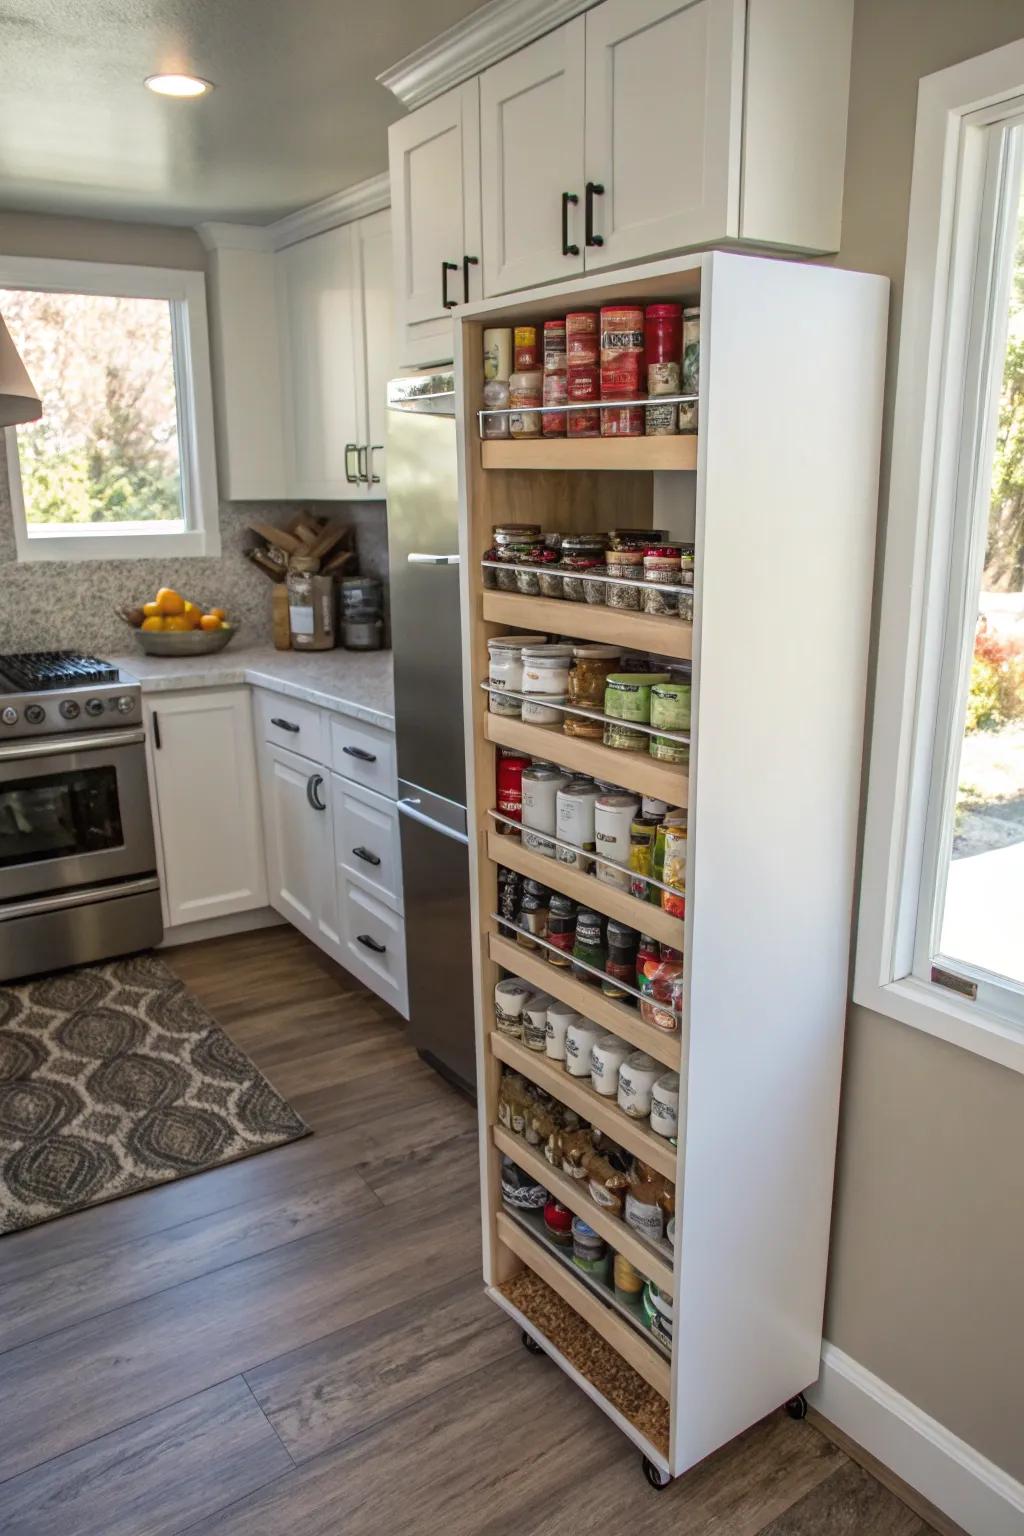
column 359, row 684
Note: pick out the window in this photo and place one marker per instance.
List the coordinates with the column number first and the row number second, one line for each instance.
column 121, row 463
column 941, row 932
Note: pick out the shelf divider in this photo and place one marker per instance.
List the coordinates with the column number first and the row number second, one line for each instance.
column 623, row 1338
column 678, row 452
column 588, row 621
column 589, row 1001
column 664, row 781
column 576, row 1093
column 572, row 1194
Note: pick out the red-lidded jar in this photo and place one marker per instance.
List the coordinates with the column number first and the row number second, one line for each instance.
column 556, row 387
column 583, row 383
column 509, row 787
column 526, row 355
column 622, row 350
column 555, row 360
column 663, row 333
column 582, row 344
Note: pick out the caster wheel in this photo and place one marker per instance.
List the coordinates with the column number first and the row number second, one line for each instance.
column 797, row 1407
column 655, row 1476
column 530, row 1344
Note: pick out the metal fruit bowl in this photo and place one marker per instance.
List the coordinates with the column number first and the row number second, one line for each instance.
column 190, row 642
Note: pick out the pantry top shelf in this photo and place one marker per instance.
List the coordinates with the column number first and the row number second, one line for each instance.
column 590, row 452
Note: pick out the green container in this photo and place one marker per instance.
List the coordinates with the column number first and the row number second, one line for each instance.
column 670, row 706
column 627, row 695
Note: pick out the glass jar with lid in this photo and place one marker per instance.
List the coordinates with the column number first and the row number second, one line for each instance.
column 662, row 565
column 546, row 675
column 581, row 552
column 505, row 671
column 591, row 667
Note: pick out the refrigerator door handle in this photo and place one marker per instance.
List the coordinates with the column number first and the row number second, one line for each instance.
column 408, row 807
column 432, row 559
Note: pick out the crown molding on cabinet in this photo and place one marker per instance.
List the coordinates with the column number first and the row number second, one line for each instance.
column 340, row 208
column 485, row 36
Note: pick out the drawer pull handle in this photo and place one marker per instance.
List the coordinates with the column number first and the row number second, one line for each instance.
column 313, row 784
column 283, row 725
column 378, row 949
column 364, row 757
column 366, row 856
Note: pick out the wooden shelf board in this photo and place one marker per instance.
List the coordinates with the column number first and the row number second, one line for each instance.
column 576, row 1093
column 585, row 621
column 573, row 1195
column 622, row 1337
column 635, row 770
column 623, row 1021
column 553, row 1353
column 586, row 889
column 590, row 452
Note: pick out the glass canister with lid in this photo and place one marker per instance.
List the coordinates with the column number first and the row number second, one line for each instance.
column 505, row 671
column 514, row 543
column 663, row 566
column 581, row 552
column 545, row 675
column 591, row 667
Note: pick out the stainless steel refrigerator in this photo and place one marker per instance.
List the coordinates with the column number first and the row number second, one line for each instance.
column 423, row 551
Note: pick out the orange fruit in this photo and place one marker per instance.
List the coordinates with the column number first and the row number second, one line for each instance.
column 178, row 624
column 193, row 614
column 151, row 610
column 209, row 621
column 218, row 613
column 169, row 602
column 153, row 621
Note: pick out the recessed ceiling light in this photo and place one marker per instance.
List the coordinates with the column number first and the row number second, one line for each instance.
column 178, row 85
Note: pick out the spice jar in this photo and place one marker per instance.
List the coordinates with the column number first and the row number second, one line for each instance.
column 674, row 869
column 596, row 591
column 505, row 671
column 541, row 784
column 636, row 538
column 589, row 1251
column 583, row 384
column 533, row 914
column 509, row 997
column 561, row 929
column 627, row 565
column 525, row 355
column 509, row 787
column 579, row 1043
column 606, row 1057
column 558, row 1223
column 590, row 669
column 497, row 367
column 690, row 369
column 662, row 564
column 622, row 352
column 637, row 1077
column 574, row 822
column 627, row 695
column 580, row 552
column 546, row 675
column 555, row 360
column 621, row 962
column 555, row 392
column 641, row 854
column 646, row 950
column 588, row 946
column 670, row 706
column 525, row 390
column 667, row 750
column 528, row 575
column 513, row 544
column 665, row 1105
column 614, row 814
column 582, row 337
column 560, row 1017
column 663, row 346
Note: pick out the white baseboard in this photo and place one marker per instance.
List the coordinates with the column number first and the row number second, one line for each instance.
column 965, row 1485
column 221, row 927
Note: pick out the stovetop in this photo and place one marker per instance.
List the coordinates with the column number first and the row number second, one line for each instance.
column 38, row 671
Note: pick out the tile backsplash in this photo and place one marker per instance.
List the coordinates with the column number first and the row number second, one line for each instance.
column 53, row 605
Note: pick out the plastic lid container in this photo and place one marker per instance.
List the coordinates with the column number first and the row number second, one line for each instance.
column 514, row 642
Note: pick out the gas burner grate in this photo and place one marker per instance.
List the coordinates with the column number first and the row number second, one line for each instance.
column 35, row 671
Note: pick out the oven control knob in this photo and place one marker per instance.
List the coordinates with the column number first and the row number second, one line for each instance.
column 94, row 706
column 125, row 705
column 10, row 715
column 70, row 709
column 35, row 714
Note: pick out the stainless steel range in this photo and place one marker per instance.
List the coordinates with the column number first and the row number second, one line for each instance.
column 78, row 875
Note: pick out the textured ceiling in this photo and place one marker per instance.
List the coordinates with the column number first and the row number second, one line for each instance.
column 297, row 113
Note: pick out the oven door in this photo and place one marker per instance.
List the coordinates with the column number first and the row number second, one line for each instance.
column 74, row 811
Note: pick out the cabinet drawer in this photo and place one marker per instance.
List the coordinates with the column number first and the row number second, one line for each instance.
column 367, row 840
column 374, row 944
column 365, row 754
column 291, row 723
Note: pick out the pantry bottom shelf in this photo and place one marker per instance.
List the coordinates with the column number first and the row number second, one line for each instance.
column 595, row 1367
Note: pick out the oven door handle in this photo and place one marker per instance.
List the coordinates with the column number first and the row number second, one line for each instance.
column 58, row 746
column 33, row 906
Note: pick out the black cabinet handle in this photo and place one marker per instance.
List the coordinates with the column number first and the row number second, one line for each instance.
column 446, row 267
column 366, row 856
column 567, row 249
column 378, row 949
column 467, row 262
column 361, row 456
column 350, row 449
column 594, row 189
column 156, row 730
column 283, row 725
column 312, row 785
column 364, row 757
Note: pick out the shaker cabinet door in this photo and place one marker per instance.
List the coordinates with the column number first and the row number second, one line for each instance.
column 531, row 157
column 663, row 125
column 320, row 312
column 300, row 845
column 434, row 159
column 375, row 266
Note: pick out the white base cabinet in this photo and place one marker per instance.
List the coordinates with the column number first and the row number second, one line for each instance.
column 296, row 816
column 206, row 804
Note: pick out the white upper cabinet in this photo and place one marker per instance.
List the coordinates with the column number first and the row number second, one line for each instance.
column 377, row 287
column 663, row 120
column 434, row 157
column 531, row 146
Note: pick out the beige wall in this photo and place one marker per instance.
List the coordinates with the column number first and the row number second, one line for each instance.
column 144, row 245
column 927, row 1268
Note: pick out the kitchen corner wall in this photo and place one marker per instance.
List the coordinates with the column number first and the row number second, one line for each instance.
column 927, row 1264
column 56, row 604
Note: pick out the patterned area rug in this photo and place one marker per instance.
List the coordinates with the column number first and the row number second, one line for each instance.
column 114, row 1078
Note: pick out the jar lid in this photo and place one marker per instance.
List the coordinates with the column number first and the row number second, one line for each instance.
column 615, row 802
column 515, row 528
column 636, row 679
column 554, row 325
column 581, row 788
column 584, row 540
column 563, row 904
column 668, row 1082
column 547, row 655
column 562, row 1010
column 513, row 642
column 534, row 888
column 542, row 774
column 581, row 1229
column 664, row 311
column 622, row 931
column 664, row 551
column 641, row 1062
column 596, row 652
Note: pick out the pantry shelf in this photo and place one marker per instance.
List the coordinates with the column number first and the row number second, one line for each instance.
column 572, row 1194
column 621, row 1335
column 663, row 781
column 576, row 1093
column 588, row 1001
column 590, row 452
column 672, row 637
column 587, row 890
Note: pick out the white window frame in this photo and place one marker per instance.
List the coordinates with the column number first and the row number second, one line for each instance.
column 916, row 693
column 186, row 293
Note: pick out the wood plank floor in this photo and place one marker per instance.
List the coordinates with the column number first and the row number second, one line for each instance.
column 300, row 1342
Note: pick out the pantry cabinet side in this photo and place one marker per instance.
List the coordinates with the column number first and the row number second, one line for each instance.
column 785, row 542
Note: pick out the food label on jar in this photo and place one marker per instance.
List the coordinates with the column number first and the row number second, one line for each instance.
column 645, row 1219
column 622, row 341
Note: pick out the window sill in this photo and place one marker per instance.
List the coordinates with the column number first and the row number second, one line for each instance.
column 930, row 1009
column 118, row 546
